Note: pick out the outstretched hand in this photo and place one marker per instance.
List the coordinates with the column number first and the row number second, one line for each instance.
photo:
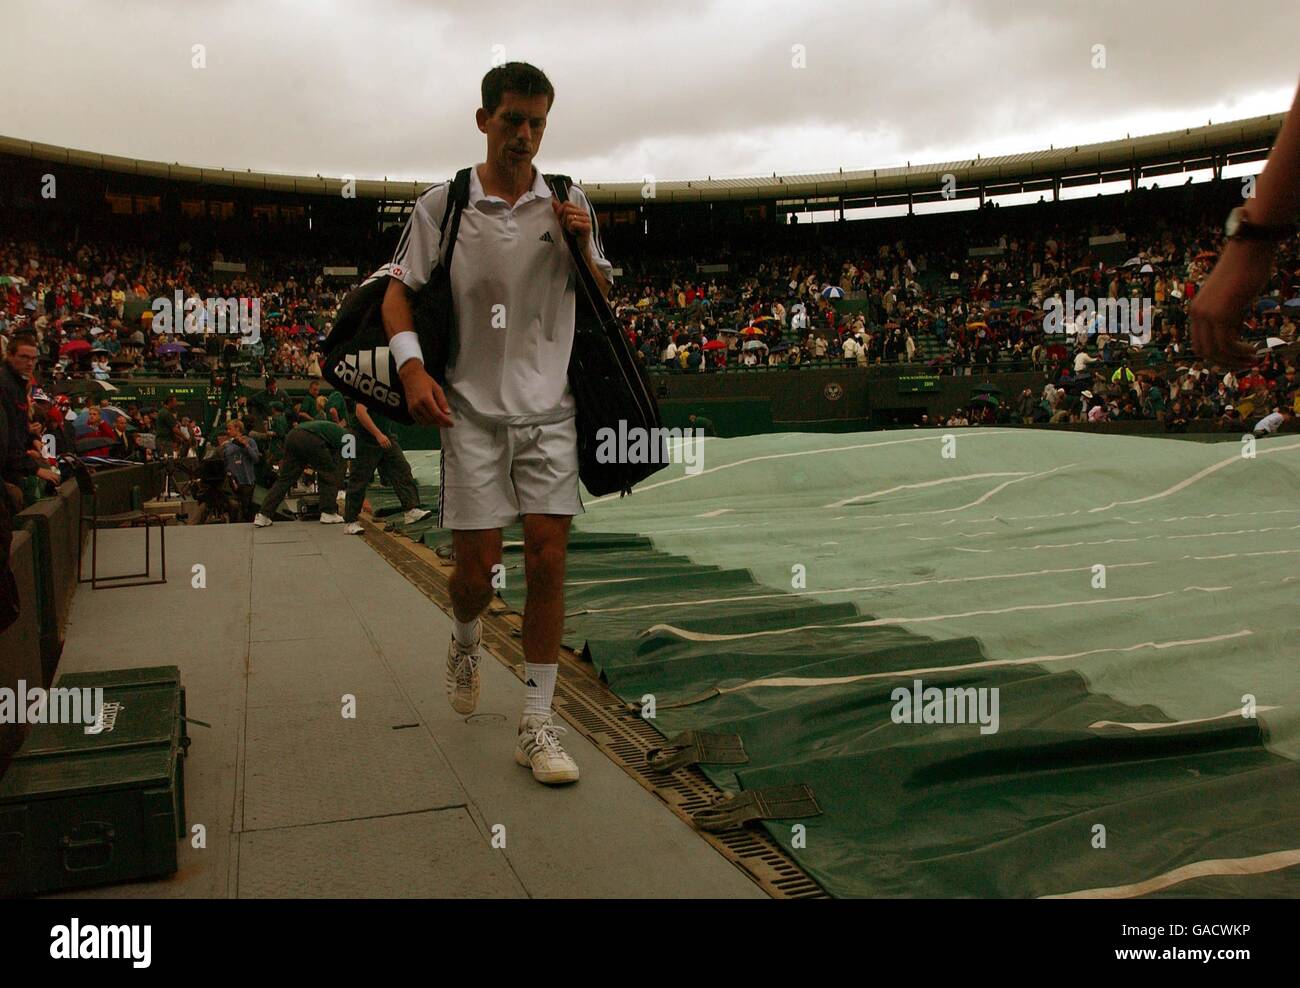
column 1224, row 300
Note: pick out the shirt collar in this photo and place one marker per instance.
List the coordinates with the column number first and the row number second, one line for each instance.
column 539, row 190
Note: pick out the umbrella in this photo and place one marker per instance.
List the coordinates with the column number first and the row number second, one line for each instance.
column 1292, row 303
column 74, row 346
column 990, row 400
column 755, row 345
column 832, row 292
column 1205, row 255
column 752, row 331
column 1146, row 269
column 716, row 345
column 1274, row 341
column 9, row 279
column 758, row 319
column 1132, row 262
column 1266, row 303
column 172, row 348
column 977, row 325
column 109, row 412
column 780, row 348
column 86, row 386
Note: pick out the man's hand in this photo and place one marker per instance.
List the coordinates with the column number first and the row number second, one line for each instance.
column 47, row 474
column 575, row 219
column 424, row 399
column 384, row 442
column 1225, row 298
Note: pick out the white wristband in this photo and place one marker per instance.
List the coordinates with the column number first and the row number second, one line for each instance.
column 405, row 346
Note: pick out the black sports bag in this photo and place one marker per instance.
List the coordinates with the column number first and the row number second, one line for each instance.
column 610, row 393
column 357, row 358
column 613, row 399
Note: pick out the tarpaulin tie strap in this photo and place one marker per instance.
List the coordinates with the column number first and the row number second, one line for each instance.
column 635, row 706
column 693, row 747
column 732, row 812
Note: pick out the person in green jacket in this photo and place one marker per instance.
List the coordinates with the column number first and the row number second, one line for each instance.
column 318, row 445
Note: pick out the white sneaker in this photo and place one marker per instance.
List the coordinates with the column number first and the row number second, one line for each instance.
column 462, row 675
column 328, row 519
column 261, row 521
column 354, row 528
column 538, row 748
column 415, row 514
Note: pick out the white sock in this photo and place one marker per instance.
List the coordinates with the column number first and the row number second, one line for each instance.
column 539, row 686
column 466, row 633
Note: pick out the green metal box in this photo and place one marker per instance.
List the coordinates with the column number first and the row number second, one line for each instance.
column 80, row 809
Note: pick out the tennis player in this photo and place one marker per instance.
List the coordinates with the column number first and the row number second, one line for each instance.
column 506, row 417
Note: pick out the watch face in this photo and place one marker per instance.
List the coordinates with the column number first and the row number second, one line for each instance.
column 1233, row 224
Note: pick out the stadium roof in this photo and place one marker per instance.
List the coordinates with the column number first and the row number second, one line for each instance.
column 1249, row 139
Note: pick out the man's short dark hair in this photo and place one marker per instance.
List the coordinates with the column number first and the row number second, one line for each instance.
column 22, row 338
column 519, row 78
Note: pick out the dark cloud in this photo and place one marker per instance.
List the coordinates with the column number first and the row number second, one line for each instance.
column 674, row 89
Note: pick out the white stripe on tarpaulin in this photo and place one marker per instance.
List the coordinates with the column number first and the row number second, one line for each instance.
column 1156, row 725
column 702, row 636
column 927, row 483
column 1258, row 865
column 975, row 434
column 815, row 681
column 1187, row 482
column 381, row 365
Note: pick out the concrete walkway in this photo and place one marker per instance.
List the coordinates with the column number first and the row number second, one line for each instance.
column 407, row 798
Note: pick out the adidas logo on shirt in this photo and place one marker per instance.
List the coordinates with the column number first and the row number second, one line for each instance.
column 547, row 238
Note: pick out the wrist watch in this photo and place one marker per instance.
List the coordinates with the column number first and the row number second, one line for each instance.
column 1239, row 227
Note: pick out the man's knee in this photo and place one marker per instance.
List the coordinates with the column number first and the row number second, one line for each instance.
column 477, row 553
column 545, row 546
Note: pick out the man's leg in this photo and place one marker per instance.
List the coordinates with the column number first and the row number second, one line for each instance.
column 363, row 468
column 398, row 474
column 470, row 586
column 546, row 542
column 290, row 470
column 329, row 476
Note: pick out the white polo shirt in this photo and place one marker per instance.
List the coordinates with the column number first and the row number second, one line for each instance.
column 513, row 286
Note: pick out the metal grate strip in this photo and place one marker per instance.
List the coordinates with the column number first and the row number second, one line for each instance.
column 591, row 707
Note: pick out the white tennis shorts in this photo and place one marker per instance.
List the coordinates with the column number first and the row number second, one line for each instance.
column 490, row 474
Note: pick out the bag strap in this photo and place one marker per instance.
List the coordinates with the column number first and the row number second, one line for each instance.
column 457, row 200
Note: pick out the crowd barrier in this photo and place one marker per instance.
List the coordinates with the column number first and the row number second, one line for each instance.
column 46, row 546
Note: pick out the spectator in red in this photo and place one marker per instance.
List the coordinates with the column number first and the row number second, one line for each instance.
column 96, row 426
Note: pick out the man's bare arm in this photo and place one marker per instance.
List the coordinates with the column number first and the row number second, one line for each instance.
column 368, row 424
column 425, row 400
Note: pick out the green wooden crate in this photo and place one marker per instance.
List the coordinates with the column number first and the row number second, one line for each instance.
column 79, row 809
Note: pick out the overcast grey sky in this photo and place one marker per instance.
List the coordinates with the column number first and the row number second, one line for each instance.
column 669, row 88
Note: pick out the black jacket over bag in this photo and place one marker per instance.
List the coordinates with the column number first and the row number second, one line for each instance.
column 608, row 387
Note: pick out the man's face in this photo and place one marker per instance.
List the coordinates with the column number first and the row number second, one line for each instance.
column 23, row 359
column 514, row 131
